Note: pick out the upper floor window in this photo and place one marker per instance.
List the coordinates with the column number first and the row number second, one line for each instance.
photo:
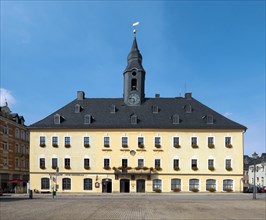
column 106, row 141
column 157, row 164
column 106, row 163
column 22, row 135
column 211, row 164
column 210, row 142
column 134, row 119
column 176, row 142
column 77, row 108
column 124, row 142
column 176, row 164
column 17, row 133
column 228, row 164
column 42, row 141
column 134, row 84
column 57, row 119
column 194, row 143
column 194, row 164
column 140, row 142
column 155, row 109
column 86, row 141
column 54, row 163
column 228, row 142
column 55, row 141
column 175, row 119
column 140, row 163
column 5, row 130
column 87, row 163
column 67, row 163
column 157, row 141
column 209, row 119
column 42, row 163
column 67, row 141
column 5, row 146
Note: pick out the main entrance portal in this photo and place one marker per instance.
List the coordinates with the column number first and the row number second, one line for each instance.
column 106, row 185
column 124, row 185
column 141, row 186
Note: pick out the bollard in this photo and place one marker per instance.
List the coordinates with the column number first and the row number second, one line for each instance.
column 30, row 194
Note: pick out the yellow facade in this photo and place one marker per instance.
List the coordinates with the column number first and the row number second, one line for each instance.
column 166, row 153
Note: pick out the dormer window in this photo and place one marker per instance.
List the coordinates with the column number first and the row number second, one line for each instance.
column 77, row 108
column 209, row 119
column 134, row 84
column 134, row 119
column 188, row 108
column 155, row 109
column 112, row 109
column 57, row 118
column 175, row 119
column 87, row 119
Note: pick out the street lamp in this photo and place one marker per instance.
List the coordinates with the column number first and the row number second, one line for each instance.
column 254, row 156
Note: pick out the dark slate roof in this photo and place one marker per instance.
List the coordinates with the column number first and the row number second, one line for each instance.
column 100, row 110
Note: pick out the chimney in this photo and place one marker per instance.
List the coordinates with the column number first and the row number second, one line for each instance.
column 157, row 95
column 188, row 95
column 80, row 95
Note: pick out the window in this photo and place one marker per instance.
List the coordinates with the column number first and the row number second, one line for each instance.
column 23, row 149
column 211, row 185
column 5, row 130
column 176, row 164
column 133, row 84
column 57, row 118
column 140, row 142
column 155, row 109
column 124, row 142
column 176, row 142
column 124, row 163
column 86, row 141
column 17, row 149
column 157, row 141
column 55, row 141
column 17, row 163
column 22, row 135
column 176, row 184
column 188, row 108
column 156, row 184
column 228, row 142
column 106, row 141
column 209, row 119
column 106, row 162
column 17, row 133
column 112, row 109
column 194, row 165
column 211, row 164
column 86, row 163
column 157, row 164
column 87, row 184
column 45, row 183
column 175, row 119
column 210, row 142
column 67, row 163
column 194, row 142
column 5, row 146
column 5, row 162
column 193, row 185
column 134, row 119
column 42, row 141
column 66, row 184
column 42, row 163
column 227, row 185
column 54, row 163
column 87, row 119
column 67, row 141
column 77, row 108
column 140, row 163
column 228, row 164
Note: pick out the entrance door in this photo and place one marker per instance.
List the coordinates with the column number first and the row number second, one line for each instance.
column 124, row 185
column 141, row 186
column 106, row 185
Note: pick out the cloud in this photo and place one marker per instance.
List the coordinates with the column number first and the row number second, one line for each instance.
column 5, row 96
column 228, row 114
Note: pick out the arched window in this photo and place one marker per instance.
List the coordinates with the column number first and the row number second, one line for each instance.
column 45, row 183
column 66, row 184
column 175, row 184
column 87, row 119
column 175, row 119
column 227, row 185
column 156, row 184
column 134, row 119
column 57, row 119
column 210, row 183
column 77, row 108
column 134, row 84
column 193, row 184
column 87, row 184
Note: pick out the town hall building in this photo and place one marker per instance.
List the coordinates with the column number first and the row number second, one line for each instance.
column 136, row 143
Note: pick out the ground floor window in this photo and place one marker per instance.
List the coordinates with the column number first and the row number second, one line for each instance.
column 193, row 184
column 87, row 184
column 175, row 184
column 227, row 185
column 210, row 184
column 66, row 184
column 45, row 183
column 156, row 184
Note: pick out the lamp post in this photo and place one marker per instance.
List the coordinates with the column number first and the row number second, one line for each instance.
column 254, row 156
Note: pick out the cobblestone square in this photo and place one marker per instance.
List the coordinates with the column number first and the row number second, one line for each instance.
column 133, row 206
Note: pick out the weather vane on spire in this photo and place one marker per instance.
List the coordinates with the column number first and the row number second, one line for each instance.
column 134, row 25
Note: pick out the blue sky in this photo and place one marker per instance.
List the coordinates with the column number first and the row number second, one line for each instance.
column 214, row 49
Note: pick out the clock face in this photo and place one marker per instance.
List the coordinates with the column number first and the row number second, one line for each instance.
column 133, row 99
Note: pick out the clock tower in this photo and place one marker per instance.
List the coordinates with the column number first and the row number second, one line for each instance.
column 134, row 77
